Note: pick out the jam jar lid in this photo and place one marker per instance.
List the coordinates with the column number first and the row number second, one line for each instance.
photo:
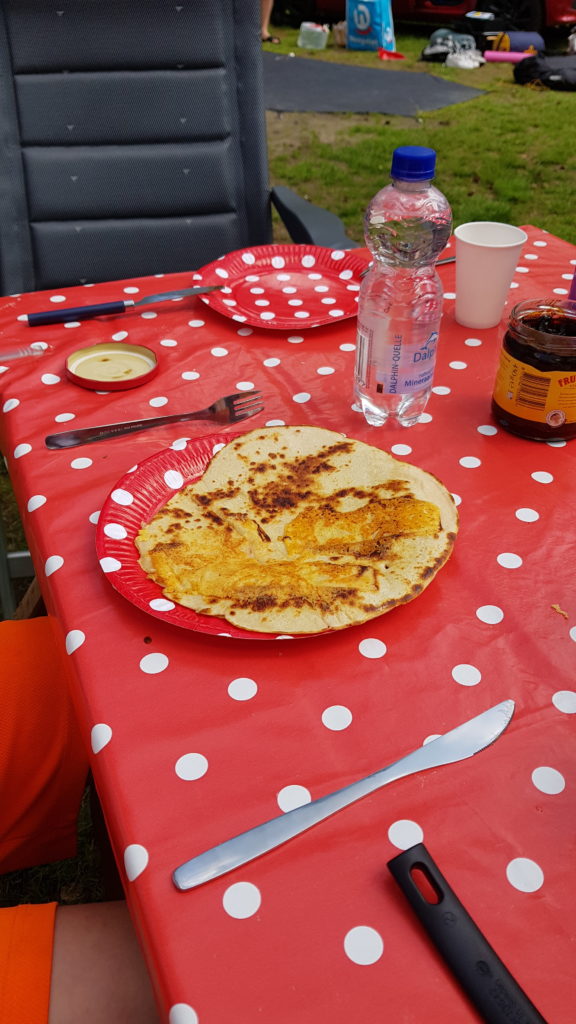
column 111, row 366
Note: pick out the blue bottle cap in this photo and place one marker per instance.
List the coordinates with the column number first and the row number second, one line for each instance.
column 413, row 163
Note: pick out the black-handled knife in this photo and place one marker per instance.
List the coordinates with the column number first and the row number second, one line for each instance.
column 67, row 314
column 486, row 980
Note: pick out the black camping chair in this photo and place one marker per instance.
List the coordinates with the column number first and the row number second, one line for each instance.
column 134, row 141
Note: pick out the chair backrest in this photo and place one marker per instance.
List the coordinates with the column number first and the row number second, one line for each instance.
column 132, row 138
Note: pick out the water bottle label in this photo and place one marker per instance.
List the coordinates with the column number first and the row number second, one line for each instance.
column 395, row 367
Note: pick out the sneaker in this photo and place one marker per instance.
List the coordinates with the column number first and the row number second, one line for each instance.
column 462, row 60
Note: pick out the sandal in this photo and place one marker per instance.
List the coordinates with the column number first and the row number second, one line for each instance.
column 271, row 39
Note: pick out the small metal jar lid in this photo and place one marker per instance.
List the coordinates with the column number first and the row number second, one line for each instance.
column 111, row 366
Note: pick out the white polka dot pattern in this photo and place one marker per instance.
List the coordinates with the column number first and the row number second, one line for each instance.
column 405, row 833
column 242, row 900
column 372, row 648
column 191, row 766
column 548, row 780
column 153, row 663
column 100, row 737
column 243, row 689
column 466, row 675
column 36, row 502
column 524, row 874
column 74, row 639
column 336, row 718
column 293, row 796
column 183, row 1013
column 135, row 860
column 255, row 730
column 363, row 945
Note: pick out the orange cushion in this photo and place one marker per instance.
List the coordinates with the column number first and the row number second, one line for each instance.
column 26, row 943
column 43, row 762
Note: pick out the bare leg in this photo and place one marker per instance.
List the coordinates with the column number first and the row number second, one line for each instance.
column 266, row 12
column 98, row 974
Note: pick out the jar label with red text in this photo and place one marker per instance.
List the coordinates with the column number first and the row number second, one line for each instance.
column 528, row 393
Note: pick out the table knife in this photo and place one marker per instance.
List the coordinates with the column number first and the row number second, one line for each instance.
column 484, row 977
column 65, row 315
column 456, row 745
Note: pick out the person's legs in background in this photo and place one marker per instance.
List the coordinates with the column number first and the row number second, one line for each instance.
column 266, row 13
column 65, row 965
column 98, row 973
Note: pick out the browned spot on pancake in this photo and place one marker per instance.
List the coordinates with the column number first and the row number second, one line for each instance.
column 179, row 513
column 397, row 485
column 221, row 494
column 213, row 517
column 277, row 496
column 294, row 488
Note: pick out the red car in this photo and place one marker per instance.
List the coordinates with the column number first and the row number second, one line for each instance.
column 522, row 15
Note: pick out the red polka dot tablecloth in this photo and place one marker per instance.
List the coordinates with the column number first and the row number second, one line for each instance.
column 195, row 737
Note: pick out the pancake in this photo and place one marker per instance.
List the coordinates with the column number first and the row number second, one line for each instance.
column 300, row 530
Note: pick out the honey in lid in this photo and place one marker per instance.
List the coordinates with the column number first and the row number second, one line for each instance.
column 112, row 366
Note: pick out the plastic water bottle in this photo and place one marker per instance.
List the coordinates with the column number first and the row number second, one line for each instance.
column 406, row 227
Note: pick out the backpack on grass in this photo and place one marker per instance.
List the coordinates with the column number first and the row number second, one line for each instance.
column 552, row 72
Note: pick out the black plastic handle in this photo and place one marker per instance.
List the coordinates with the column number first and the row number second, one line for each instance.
column 483, row 976
column 63, row 316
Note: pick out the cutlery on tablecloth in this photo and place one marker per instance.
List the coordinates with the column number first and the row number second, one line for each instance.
column 230, row 409
column 447, row 259
column 67, row 314
column 456, row 745
column 23, row 352
column 486, row 980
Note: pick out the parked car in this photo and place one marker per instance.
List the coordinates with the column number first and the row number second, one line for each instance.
column 522, row 15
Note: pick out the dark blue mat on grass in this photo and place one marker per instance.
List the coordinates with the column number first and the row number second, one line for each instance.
column 304, row 84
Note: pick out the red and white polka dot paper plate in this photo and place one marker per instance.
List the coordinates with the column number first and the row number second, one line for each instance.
column 132, row 502
column 285, row 286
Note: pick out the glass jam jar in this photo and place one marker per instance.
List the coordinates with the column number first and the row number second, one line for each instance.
column 535, row 389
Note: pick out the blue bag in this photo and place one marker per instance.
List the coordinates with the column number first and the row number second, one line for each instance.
column 369, row 25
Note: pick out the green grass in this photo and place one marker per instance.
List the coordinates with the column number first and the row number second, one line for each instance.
column 503, row 155
column 10, row 518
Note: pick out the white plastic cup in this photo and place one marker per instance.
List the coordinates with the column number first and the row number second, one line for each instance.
column 487, row 254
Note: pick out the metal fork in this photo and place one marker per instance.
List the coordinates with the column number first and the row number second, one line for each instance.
column 230, row 409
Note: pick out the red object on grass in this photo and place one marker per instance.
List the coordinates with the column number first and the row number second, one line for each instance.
column 389, row 54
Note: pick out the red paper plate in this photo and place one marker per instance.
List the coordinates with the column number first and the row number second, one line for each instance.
column 285, row 287
column 132, row 502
